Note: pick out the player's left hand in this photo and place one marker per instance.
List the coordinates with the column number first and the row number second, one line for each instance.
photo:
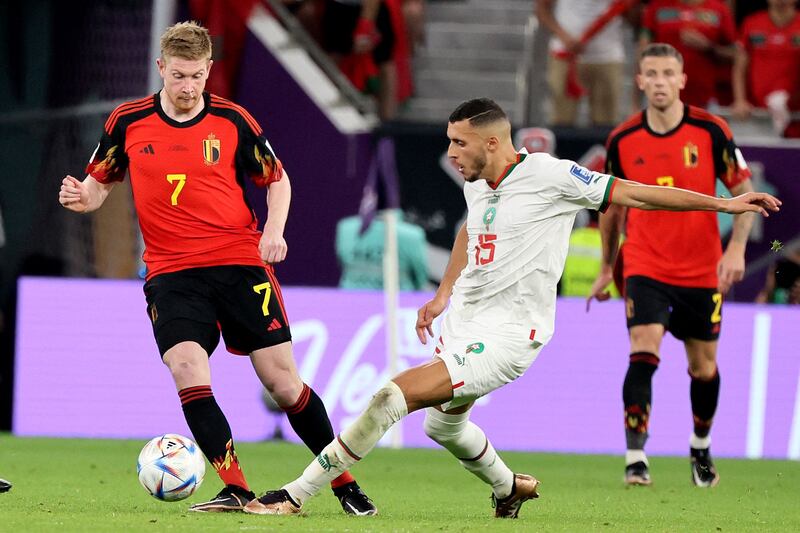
column 730, row 269
column 752, row 202
column 272, row 246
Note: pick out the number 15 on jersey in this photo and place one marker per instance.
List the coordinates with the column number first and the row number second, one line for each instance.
column 484, row 251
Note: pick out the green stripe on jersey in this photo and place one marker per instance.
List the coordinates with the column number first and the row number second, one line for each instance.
column 607, row 195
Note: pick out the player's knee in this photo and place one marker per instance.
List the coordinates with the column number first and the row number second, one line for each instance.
column 646, row 338
column 441, row 430
column 285, row 393
column 388, row 405
column 185, row 365
column 705, row 371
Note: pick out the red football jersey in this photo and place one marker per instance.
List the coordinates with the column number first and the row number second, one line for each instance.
column 188, row 180
column 679, row 248
column 662, row 22
column 774, row 54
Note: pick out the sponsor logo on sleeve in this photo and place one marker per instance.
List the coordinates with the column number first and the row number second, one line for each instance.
column 583, row 174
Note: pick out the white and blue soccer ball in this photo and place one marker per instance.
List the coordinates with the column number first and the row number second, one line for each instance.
column 171, row 467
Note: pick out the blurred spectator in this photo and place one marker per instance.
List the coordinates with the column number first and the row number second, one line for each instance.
column 227, row 23
column 414, row 16
column 367, row 39
column 584, row 259
column 586, row 51
column 361, row 254
column 703, row 31
column 766, row 72
column 783, row 281
column 307, row 13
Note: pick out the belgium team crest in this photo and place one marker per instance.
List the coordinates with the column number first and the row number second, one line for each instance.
column 690, row 155
column 211, row 150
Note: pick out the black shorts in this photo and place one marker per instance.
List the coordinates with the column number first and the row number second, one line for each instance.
column 339, row 21
column 196, row 304
column 687, row 312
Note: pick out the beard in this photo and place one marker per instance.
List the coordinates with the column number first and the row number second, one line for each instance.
column 184, row 103
column 478, row 166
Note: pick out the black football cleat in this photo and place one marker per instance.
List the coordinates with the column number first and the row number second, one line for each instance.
column 704, row 474
column 354, row 501
column 637, row 474
column 231, row 498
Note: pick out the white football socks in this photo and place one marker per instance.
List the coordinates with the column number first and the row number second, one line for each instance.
column 635, row 456
column 384, row 409
column 469, row 444
column 701, row 443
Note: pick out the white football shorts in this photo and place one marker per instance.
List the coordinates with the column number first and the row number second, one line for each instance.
column 480, row 361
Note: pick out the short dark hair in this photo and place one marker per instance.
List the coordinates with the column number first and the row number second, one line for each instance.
column 479, row 112
column 661, row 50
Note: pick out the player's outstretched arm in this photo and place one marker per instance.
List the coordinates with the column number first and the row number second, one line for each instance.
column 652, row 197
column 272, row 246
column 435, row 307
column 83, row 196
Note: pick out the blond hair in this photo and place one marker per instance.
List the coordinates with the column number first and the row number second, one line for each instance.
column 187, row 40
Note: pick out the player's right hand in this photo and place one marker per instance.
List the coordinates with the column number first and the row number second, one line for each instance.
column 74, row 194
column 599, row 288
column 425, row 316
column 752, row 202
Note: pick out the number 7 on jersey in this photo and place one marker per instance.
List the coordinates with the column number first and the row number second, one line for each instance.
column 181, row 179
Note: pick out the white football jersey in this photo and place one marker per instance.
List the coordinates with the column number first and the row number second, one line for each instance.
column 518, row 233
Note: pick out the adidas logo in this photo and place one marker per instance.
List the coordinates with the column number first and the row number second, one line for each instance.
column 639, row 161
column 275, row 324
column 148, row 150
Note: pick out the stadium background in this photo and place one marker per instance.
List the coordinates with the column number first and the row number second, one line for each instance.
column 67, row 65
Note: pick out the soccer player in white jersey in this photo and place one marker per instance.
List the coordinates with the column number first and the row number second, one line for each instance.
column 501, row 287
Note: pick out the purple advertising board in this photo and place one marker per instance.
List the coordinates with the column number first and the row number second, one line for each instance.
column 87, row 366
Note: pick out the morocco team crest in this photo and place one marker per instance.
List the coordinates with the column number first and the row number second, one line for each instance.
column 476, row 347
column 211, row 148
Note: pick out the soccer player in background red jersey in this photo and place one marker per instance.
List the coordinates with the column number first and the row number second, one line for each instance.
column 703, row 31
column 674, row 268
column 766, row 72
column 209, row 270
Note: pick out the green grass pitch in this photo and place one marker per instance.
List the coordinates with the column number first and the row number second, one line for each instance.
column 90, row 485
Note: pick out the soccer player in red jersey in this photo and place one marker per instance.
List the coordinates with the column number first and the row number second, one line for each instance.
column 767, row 66
column 703, row 32
column 674, row 269
column 209, row 270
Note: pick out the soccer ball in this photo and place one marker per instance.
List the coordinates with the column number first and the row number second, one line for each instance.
column 171, row 467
